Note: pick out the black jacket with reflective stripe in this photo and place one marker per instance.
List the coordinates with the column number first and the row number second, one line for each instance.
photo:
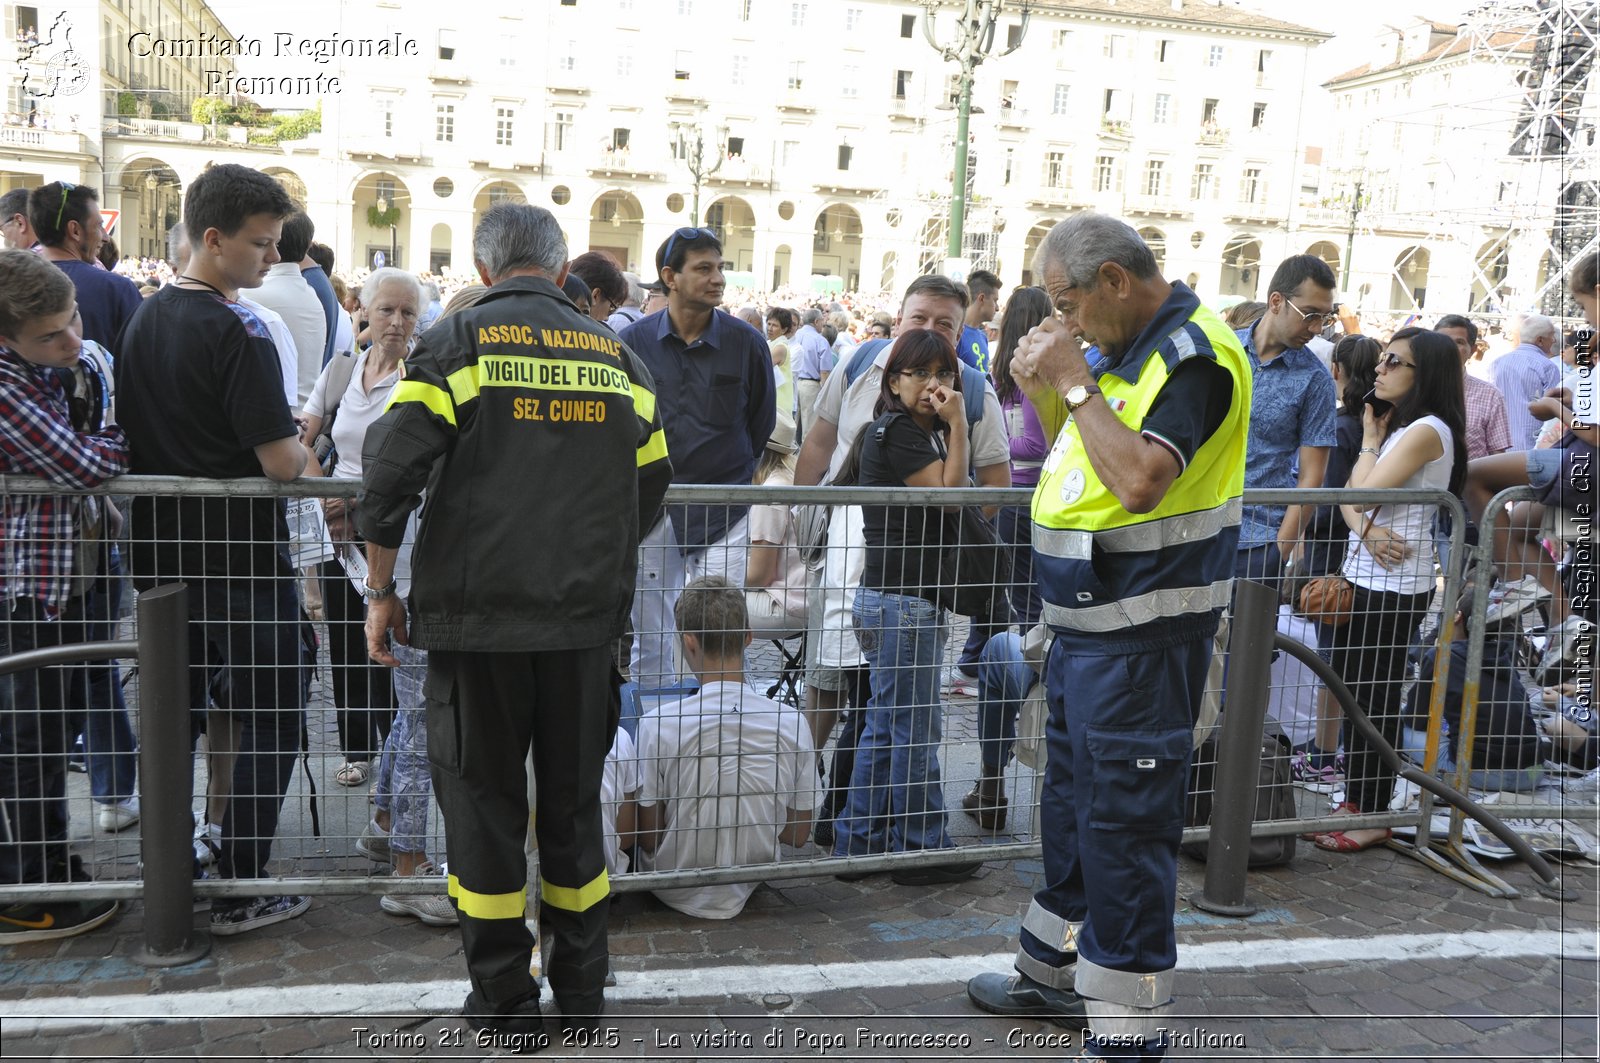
column 535, row 433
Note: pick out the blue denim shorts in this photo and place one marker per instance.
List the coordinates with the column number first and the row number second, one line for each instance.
column 1543, row 467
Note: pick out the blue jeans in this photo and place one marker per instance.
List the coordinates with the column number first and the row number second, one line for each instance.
column 1004, row 680
column 896, row 799
column 108, row 740
column 1414, row 743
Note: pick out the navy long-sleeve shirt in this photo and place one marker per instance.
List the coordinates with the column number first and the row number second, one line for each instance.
column 717, row 402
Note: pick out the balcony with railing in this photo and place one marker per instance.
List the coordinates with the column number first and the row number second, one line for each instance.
column 1212, row 135
column 48, row 141
column 737, row 171
column 619, row 162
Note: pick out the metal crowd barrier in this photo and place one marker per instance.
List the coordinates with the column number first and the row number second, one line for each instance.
column 310, row 860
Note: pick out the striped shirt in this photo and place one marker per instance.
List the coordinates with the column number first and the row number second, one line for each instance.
column 1487, row 430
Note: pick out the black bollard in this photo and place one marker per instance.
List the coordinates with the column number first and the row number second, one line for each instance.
column 166, row 781
column 1233, row 806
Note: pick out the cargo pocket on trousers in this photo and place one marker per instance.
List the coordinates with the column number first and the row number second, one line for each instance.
column 440, row 702
column 1139, row 779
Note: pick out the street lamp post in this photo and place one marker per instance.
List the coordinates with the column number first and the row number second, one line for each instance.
column 973, row 41
column 691, row 140
column 1359, row 179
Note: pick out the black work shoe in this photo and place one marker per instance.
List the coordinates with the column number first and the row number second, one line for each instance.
column 933, row 876
column 521, row 1029
column 1021, row 996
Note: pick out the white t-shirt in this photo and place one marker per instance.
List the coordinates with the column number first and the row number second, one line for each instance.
column 775, row 524
column 619, row 779
column 730, row 765
column 286, row 291
column 1412, row 523
column 357, row 410
column 850, row 409
column 288, row 353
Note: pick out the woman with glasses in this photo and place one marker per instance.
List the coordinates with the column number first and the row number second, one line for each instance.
column 1413, row 436
column 919, row 439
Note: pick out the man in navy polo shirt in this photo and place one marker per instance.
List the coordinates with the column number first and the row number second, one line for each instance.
column 1292, row 413
column 717, row 401
column 66, row 218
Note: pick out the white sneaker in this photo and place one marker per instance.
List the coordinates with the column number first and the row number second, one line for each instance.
column 207, row 842
column 118, row 817
column 1513, row 599
column 957, row 683
column 433, row 909
column 1567, row 643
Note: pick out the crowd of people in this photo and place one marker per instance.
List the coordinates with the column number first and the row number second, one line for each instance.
column 508, row 587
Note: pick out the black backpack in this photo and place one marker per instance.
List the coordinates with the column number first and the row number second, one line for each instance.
column 1274, row 798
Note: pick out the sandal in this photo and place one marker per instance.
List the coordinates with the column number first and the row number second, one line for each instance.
column 1346, row 808
column 1338, row 841
column 353, row 773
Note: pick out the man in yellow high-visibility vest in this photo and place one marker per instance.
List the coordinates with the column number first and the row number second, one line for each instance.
column 1136, row 522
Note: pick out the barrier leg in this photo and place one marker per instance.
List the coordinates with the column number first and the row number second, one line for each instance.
column 166, row 781
column 1233, row 808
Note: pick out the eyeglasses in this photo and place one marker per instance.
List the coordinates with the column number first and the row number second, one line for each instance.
column 1319, row 318
column 66, row 186
column 15, row 219
column 686, row 233
column 922, row 376
column 1392, row 361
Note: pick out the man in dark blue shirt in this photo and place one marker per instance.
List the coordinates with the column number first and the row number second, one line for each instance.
column 66, row 218
column 717, row 400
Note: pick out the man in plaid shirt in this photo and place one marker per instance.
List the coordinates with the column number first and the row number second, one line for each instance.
column 50, row 550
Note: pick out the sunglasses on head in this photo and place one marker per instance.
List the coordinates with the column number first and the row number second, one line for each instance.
column 66, row 186
column 688, row 232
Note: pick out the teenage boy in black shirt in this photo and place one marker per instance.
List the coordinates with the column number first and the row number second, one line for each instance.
column 201, row 394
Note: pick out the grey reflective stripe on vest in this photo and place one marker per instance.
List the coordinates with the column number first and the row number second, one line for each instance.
column 1182, row 341
column 1169, row 531
column 1141, row 608
column 1060, row 542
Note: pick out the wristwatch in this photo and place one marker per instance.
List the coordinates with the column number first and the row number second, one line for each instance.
column 378, row 594
column 1078, row 394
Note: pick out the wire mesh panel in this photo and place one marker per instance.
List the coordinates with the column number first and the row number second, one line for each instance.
column 887, row 713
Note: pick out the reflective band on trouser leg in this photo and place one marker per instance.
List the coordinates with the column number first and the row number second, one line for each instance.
column 1123, row 1032
column 1056, row 934
column 486, row 905
column 1142, row 991
column 581, row 899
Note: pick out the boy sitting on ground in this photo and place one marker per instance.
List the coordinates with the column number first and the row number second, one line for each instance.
column 725, row 774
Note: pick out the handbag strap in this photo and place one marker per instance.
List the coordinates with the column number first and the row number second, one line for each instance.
column 1360, row 538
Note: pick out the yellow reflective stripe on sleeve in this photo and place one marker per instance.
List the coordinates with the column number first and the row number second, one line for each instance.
column 487, row 905
column 655, row 449
column 576, row 900
column 463, row 384
column 644, row 403
column 434, row 398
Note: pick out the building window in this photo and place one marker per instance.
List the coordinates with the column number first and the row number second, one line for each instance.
column 902, row 84
column 1105, row 173
column 385, row 189
column 1055, row 169
column 738, row 70
column 1208, row 115
column 736, row 147
column 505, row 119
column 1163, row 109
column 686, row 7
column 1113, row 104
column 1014, row 35
column 1166, row 50
column 1114, row 46
column 1155, row 178
column 619, row 139
column 1252, row 188
column 852, row 18
column 1060, row 39
column 908, row 25
column 1058, row 100
column 1214, row 56
column 568, row 59
column 569, row 3
column 845, row 152
column 849, row 80
column 444, row 122
column 386, row 115
column 1258, row 116
column 447, row 44
column 510, row 49
column 797, row 75
column 1204, row 184
column 680, row 66
column 797, row 16
column 1011, row 158
column 744, row 10
column 1263, row 65
column 791, row 153
column 559, row 132
column 625, row 63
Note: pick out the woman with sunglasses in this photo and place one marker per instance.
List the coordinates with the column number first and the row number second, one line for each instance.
column 1413, row 436
column 919, row 439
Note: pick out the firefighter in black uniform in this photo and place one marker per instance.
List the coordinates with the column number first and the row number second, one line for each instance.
column 535, row 433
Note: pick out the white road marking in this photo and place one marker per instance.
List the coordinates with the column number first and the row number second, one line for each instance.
column 675, row 985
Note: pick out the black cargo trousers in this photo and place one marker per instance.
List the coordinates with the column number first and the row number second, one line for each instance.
column 484, row 711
